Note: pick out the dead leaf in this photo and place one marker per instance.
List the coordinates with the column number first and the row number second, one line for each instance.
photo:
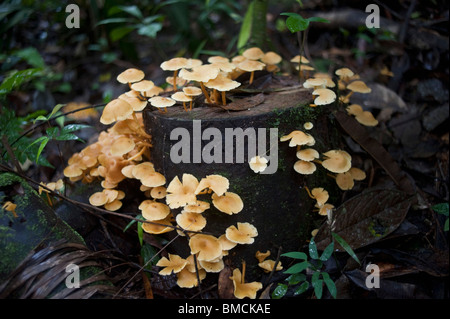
column 244, row 103
column 360, row 135
column 225, row 284
column 367, row 218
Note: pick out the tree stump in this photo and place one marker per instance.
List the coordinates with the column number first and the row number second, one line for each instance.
column 274, row 203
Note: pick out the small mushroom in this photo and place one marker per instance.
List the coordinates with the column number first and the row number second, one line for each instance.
column 271, row 59
column 198, row 208
column 269, row 264
column 191, row 221
column 262, row 256
column 161, row 102
column 307, row 154
column 304, row 167
column 98, row 199
column 244, row 233
column 142, row 86
column 152, row 210
column 182, row 97
column 222, row 84
column 253, row 53
column 251, row 66
column 320, row 195
column 192, row 91
column 174, row 64
column 356, row 86
column 121, row 146
column 324, row 96
column 130, row 75
column 187, row 279
column 201, row 74
column 216, row 183
column 258, row 164
column 345, row 181
column 315, row 83
column 158, row 192
column 116, row 110
column 207, row 247
column 173, row 264
column 298, row 138
column 229, row 203
column 158, row 227
column 182, row 193
column 114, row 205
column 363, row 117
column 337, row 161
column 10, row 207
column 241, row 288
column 226, row 244
column 213, row 267
column 344, row 74
column 308, row 126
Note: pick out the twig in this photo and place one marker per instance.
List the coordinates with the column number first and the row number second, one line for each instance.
column 11, row 154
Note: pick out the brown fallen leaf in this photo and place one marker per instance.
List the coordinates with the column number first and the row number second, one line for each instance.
column 225, row 284
column 244, row 103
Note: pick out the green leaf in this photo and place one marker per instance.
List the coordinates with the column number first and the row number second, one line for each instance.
column 140, row 232
column 118, row 33
column 296, row 268
column 69, row 137
column 295, row 22
column 148, row 253
column 316, row 282
column 295, row 255
column 73, row 127
column 330, row 284
column 115, row 20
column 279, row 291
column 246, row 27
column 346, row 246
column 312, row 248
column 446, row 225
column 318, row 19
column 296, row 278
column 133, row 10
column 327, row 252
column 31, row 56
column 441, row 208
column 302, row 288
column 150, row 30
column 16, row 78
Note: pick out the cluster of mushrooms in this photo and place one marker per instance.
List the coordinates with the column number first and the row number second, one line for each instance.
column 123, row 152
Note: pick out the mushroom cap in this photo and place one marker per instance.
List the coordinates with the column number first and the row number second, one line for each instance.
column 359, row 87
column 304, row 67
column 269, row 264
column 152, row 210
column 201, row 73
column 159, row 226
column 226, row 67
column 298, row 138
column 136, row 103
column 357, row 174
column 308, row 126
column 174, row 64
column 320, row 194
column 345, row 181
column 308, row 154
column 130, row 75
column 174, row 264
column 226, row 244
column 142, row 86
column 191, row 221
column 253, row 53
column 354, row 109
column 187, row 279
column 190, row 266
column 344, row 72
column 271, row 58
column 181, row 97
column 98, row 199
column 298, row 59
column 198, row 208
column 161, row 101
column 261, row 256
column 251, row 65
column 213, row 267
column 241, row 289
column 72, row 170
column 322, row 75
column 338, row 161
column 114, row 205
column 192, row 90
column 122, row 146
column 315, row 83
column 304, row 167
column 325, row 209
column 325, row 96
column 222, row 83
column 116, row 110
column 258, row 164
column 158, row 192
column 244, row 233
column 156, row 90
column 229, row 203
column 182, row 193
column 208, row 247
column 366, row 118
column 179, row 81
column 217, row 183
column 141, row 170
column 192, row 63
column 217, row 58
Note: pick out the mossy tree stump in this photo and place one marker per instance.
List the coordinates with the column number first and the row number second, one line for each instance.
column 276, row 204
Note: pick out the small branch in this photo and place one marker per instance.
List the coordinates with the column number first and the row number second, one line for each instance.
column 11, row 154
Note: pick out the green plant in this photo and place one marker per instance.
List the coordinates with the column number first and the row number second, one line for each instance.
column 315, row 263
column 297, row 24
column 442, row 209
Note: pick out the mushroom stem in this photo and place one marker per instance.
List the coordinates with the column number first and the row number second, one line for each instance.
column 332, row 176
column 252, row 75
column 141, row 130
column 243, row 272
column 205, row 93
column 224, row 99
column 309, row 193
column 137, row 154
column 49, row 200
column 184, row 106
column 318, row 162
column 190, row 105
column 175, row 73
